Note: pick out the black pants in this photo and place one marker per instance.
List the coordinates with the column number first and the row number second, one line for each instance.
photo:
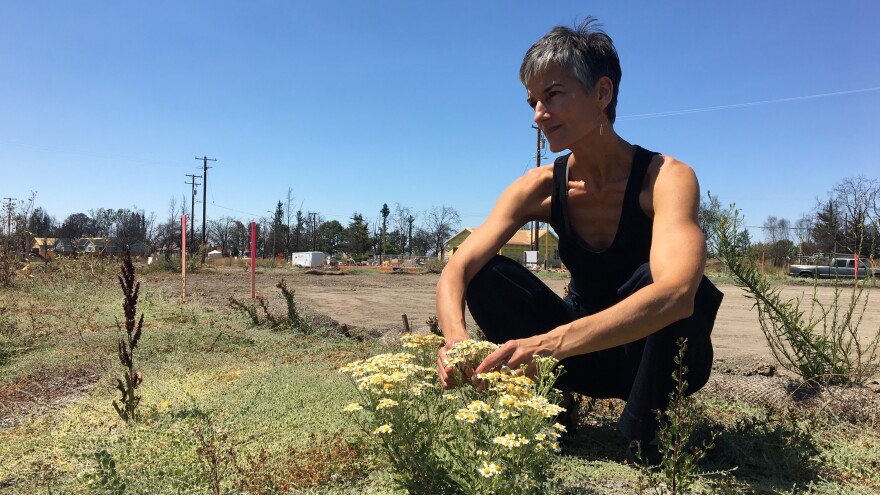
column 508, row 302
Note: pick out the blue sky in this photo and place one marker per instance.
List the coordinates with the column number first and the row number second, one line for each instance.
column 355, row 104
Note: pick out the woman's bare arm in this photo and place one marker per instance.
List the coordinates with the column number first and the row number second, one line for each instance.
column 527, row 198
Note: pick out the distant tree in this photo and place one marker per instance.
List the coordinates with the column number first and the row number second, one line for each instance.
column 312, row 232
column 421, row 243
column 299, row 229
column 393, row 242
column 40, row 224
column 331, row 237
column 707, row 216
column 826, row 229
column 278, row 230
column 803, row 231
column 220, row 234
column 777, row 236
column 239, row 238
column 440, row 223
column 401, row 221
column 77, row 225
column 357, row 236
column 288, row 205
column 385, row 211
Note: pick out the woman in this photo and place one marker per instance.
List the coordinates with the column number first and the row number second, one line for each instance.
column 627, row 225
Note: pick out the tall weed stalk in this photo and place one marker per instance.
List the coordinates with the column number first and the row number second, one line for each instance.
column 821, row 344
column 677, row 470
column 127, row 385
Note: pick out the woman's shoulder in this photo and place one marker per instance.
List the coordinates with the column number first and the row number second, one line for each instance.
column 538, row 180
column 667, row 177
column 666, row 168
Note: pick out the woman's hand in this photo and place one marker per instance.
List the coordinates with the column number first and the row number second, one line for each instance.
column 516, row 353
column 447, row 378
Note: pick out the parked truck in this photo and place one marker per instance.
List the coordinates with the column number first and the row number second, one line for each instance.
column 836, row 268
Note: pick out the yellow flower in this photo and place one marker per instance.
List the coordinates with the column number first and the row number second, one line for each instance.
column 479, row 406
column 465, row 415
column 413, row 341
column 386, row 403
column 354, row 406
column 386, row 428
column 490, row 469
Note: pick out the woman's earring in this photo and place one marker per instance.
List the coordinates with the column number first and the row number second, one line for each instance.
column 601, row 129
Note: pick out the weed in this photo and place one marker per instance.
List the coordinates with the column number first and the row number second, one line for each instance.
column 12, row 342
column 294, row 319
column 248, row 309
column 106, row 479
column 677, row 470
column 774, row 445
column 130, row 289
column 8, row 269
column 434, row 265
column 329, row 458
column 291, row 321
column 823, row 346
column 216, row 458
column 434, row 325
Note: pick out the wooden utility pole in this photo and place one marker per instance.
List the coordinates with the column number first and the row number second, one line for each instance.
column 192, row 210
column 205, row 168
column 410, row 220
column 537, row 225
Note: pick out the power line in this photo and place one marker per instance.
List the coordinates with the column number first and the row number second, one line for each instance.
column 671, row 113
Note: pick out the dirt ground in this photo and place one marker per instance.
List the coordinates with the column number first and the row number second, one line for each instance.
column 377, row 301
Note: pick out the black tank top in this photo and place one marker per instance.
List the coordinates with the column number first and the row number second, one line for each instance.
column 596, row 275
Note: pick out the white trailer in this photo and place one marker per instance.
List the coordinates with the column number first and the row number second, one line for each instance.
column 308, row 259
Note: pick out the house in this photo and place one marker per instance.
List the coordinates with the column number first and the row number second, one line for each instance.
column 44, row 246
column 515, row 248
column 49, row 247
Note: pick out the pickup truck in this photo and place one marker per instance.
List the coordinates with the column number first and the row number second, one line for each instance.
column 837, row 268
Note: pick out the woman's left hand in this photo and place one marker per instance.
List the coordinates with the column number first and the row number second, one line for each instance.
column 514, row 354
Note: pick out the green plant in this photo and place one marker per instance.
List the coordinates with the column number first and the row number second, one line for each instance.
column 498, row 438
column 677, row 470
column 294, row 319
column 216, row 458
column 8, row 269
column 106, row 479
column 434, row 265
column 328, row 457
column 824, row 345
column 130, row 289
column 249, row 310
column 434, row 325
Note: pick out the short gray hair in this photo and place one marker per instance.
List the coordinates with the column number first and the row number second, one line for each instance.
column 586, row 52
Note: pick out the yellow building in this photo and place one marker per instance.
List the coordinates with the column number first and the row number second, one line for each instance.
column 515, row 248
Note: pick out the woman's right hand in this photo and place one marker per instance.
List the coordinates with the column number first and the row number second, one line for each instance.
column 446, row 373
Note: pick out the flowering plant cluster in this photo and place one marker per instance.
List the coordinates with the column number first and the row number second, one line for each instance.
column 496, row 438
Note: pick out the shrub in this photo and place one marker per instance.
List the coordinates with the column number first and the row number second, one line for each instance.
column 293, row 320
column 822, row 345
column 498, row 438
column 434, row 265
